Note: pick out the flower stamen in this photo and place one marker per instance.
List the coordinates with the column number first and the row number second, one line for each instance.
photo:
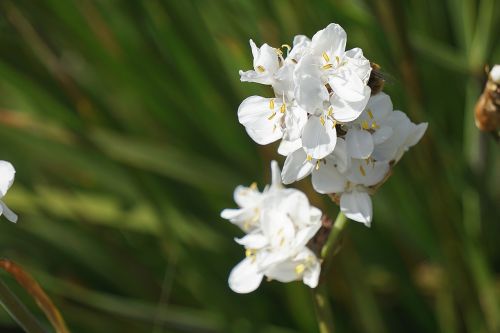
column 261, row 69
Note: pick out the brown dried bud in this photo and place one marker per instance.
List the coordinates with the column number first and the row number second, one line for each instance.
column 487, row 110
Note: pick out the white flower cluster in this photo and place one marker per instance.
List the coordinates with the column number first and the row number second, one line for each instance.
column 328, row 123
column 7, row 173
column 278, row 223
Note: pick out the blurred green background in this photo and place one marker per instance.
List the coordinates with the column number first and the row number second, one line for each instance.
column 120, row 118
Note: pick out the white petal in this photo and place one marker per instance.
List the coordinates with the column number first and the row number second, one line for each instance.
column 332, row 40
column 359, row 143
column 275, row 175
column 253, row 76
column 252, row 241
column 416, row 134
column 296, row 167
column 287, row 147
column 311, row 274
column 230, row 214
column 246, row 196
column 357, row 206
column 7, row 174
column 382, row 134
column 318, row 139
column 358, row 63
column 310, row 93
column 380, row 106
column 283, row 272
column 348, row 86
column 267, row 59
column 327, row 179
column 340, row 156
column 368, row 173
column 9, row 215
column 295, row 120
column 245, row 277
column 345, row 111
column 256, row 115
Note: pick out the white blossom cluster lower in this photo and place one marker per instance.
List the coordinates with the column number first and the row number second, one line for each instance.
column 278, row 223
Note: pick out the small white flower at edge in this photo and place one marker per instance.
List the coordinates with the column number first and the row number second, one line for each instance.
column 7, row 174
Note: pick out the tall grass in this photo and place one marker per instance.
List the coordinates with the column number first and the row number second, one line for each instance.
column 120, row 117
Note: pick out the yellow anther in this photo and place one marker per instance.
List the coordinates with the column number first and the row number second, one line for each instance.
column 362, row 170
column 326, row 57
column 334, row 123
column 280, row 53
column 271, row 103
column 370, row 114
column 367, row 161
column 248, row 253
column 337, row 58
column 282, row 241
column 253, row 186
column 300, row 268
column 283, row 108
column 287, row 47
column 330, row 111
column 375, row 126
column 364, row 125
column 327, row 66
column 271, row 116
column 317, row 165
column 322, row 120
column 309, row 158
column 261, row 69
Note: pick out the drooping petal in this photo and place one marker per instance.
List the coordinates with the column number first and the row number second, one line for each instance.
column 260, row 117
column 9, row 215
column 332, row 40
column 296, row 167
column 327, row 179
column 7, row 174
column 359, row 143
column 245, row 277
column 318, row 137
column 357, row 206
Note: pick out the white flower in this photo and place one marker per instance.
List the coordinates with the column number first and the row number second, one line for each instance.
column 353, row 186
column 265, row 64
column 276, row 243
column 7, row 173
column 369, row 128
column 269, row 119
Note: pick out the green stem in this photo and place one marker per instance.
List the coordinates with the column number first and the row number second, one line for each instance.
column 320, row 294
column 323, row 309
column 328, row 249
column 18, row 311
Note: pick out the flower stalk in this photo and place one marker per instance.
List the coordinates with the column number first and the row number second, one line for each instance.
column 320, row 294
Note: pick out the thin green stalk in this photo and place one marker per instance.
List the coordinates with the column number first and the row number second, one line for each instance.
column 329, row 247
column 18, row 311
column 320, row 294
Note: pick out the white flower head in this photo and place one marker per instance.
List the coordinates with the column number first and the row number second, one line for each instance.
column 7, row 174
column 282, row 223
column 495, row 74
